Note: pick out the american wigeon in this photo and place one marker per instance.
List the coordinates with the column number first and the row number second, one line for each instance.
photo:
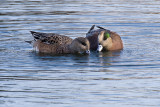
column 59, row 44
column 103, row 39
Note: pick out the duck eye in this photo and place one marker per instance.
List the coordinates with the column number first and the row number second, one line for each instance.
column 84, row 44
column 104, row 38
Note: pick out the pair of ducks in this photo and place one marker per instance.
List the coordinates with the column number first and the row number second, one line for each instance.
column 100, row 39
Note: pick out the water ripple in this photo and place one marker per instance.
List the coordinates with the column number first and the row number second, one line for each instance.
column 122, row 78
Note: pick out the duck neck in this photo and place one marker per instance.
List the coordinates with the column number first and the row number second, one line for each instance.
column 70, row 49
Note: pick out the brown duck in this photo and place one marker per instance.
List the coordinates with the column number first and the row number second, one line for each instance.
column 103, row 39
column 59, row 44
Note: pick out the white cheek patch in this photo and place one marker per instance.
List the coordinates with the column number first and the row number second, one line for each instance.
column 100, row 47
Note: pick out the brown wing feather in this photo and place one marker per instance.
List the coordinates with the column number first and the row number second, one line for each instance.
column 51, row 38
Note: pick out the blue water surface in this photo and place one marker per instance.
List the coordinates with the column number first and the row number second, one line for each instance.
column 127, row 78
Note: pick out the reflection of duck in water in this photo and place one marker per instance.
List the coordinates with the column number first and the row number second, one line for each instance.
column 103, row 39
column 59, row 44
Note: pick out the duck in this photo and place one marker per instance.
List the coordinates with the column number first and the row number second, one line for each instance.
column 103, row 39
column 59, row 44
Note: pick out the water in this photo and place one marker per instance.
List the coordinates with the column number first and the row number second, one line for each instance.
column 128, row 78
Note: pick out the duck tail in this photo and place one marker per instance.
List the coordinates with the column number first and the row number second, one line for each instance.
column 103, row 29
column 36, row 35
column 100, row 27
column 91, row 28
column 30, row 42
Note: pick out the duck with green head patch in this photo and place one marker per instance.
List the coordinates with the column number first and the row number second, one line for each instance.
column 102, row 39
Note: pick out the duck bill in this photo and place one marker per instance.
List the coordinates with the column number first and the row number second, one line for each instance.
column 100, row 47
column 87, row 52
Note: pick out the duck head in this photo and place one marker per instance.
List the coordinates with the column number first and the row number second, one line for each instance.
column 80, row 45
column 104, row 41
